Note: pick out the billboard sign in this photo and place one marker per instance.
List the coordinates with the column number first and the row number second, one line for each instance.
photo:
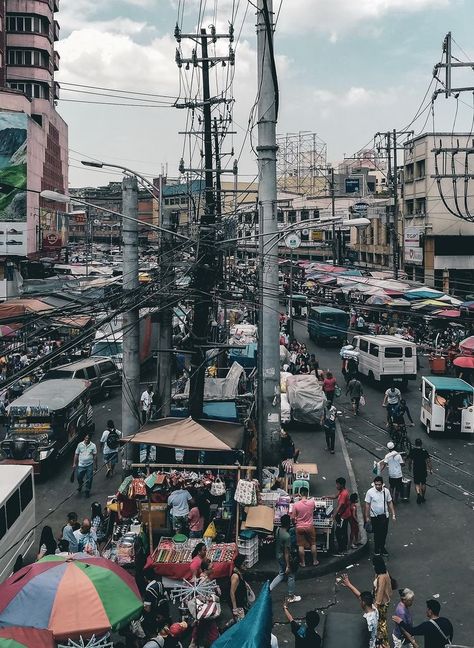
column 317, row 236
column 414, row 255
column 13, row 183
column 352, row 185
column 52, row 240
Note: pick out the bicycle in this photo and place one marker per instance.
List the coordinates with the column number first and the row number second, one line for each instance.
column 398, row 434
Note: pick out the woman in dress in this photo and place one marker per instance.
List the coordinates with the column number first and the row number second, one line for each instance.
column 238, row 589
column 382, row 595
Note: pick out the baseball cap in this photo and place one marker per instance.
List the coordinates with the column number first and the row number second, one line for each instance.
column 390, row 445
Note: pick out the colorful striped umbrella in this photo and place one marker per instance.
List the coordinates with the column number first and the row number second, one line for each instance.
column 26, row 638
column 70, row 597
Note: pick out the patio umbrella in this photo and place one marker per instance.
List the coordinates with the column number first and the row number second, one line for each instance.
column 26, row 638
column 454, row 312
column 467, row 346
column 71, row 598
column 465, row 362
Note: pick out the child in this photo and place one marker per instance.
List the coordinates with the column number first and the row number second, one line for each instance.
column 354, row 522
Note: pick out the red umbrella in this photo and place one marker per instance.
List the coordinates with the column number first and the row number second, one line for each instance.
column 455, row 312
column 466, row 362
column 25, row 638
column 467, row 346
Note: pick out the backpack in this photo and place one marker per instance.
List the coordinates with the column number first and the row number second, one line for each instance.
column 112, row 440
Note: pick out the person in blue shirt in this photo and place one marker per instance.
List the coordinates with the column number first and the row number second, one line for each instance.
column 305, row 633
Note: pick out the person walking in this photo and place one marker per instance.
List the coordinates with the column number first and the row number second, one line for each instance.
column 109, row 442
column 341, row 514
column 283, row 553
column 382, row 595
column 146, row 400
column 329, row 387
column 355, row 391
column 84, row 462
column 238, row 589
column 305, row 634
column 302, row 514
column 393, row 460
column 403, row 612
column 354, row 540
column 420, row 459
column 378, row 507
column 437, row 631
column 391, row 400
column 329, row 425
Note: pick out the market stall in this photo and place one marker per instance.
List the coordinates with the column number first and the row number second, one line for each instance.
column 173, row 559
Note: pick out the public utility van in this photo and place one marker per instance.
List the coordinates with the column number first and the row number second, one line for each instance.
column 17, row 515
column 327, row 324
column 447, row 405
column 386, row 358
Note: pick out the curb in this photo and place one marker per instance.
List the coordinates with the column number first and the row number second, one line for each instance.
column 335, row 563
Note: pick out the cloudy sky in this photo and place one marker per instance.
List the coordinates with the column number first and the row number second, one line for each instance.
column 347, row 69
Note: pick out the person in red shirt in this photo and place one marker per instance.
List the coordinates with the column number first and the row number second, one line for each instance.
column 303, row 513
column 342, row 513
column 329, row 387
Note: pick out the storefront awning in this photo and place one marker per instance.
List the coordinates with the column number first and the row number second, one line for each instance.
column 191, row 435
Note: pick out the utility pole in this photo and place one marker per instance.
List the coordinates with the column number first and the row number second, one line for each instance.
column 165, row 341
column 335, row 247
column 131, row 356
column 206, row 270
column 269, row 331
column 395, row 207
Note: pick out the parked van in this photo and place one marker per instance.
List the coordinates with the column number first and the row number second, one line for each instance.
column 386, row 358
column 447, row 405
column 326, row 323
column 102, row 374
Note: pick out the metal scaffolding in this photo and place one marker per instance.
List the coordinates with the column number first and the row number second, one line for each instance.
column 300, row 158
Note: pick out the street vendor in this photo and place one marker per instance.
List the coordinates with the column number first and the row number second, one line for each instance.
column 178, row 501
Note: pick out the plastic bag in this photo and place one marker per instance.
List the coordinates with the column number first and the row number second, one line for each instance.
column 362, row 400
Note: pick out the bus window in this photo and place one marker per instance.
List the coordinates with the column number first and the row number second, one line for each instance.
column 408, row 352
column 364, row 345
column 3, row 522
column 13, row 508
column 374, row 350
column 394, row 352
column 26, row 492
column 428, row 390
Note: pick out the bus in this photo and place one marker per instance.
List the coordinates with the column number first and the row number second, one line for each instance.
column 326, row 324
column 17, row 515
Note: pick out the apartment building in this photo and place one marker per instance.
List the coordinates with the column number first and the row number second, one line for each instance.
column 437, row 243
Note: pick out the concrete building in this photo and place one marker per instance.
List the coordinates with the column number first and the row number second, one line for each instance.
column 438, row 245
column 33, row 136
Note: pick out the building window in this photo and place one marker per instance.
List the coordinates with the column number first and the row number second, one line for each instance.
column 280, row 216
column 292, row 216
column 408, row 172
column 409, row 207
column 35, row 58
column 315, row 214
column 304, row 216
column 31, row 90
column 420, row 169
column 420, row 206
column 27, row 23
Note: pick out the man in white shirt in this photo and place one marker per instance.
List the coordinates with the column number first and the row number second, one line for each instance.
column 146, row 400
column 378, row 506
column 85, row 460
column 178, row 501
column 391, row 399
column 393, row 460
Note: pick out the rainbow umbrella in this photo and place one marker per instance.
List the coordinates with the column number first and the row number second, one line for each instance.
column 70, row 597
column 26, row 638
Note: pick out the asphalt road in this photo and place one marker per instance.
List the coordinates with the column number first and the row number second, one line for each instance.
column 430, row 545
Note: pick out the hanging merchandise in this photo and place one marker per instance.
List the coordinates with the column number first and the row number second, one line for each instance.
column 211, row 531
column 218, row 488
column 246, row 493
column 137, row 488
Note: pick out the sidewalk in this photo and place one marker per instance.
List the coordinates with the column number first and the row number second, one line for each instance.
column 312, row 446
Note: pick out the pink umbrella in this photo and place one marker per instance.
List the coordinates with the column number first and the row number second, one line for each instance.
column 464, row 362
column 467, row 346
column 455, row 312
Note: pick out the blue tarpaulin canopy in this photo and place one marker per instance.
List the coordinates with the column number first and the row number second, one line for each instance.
column 254, row 630
column 449, row 384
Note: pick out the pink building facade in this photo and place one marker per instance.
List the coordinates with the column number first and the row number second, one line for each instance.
column 33, row 136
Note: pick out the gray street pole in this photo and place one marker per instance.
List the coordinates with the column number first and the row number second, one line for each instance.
column 131, row 356
column 165, row 342
column 269, row 338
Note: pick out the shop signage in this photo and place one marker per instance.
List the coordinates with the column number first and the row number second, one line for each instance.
column 412, row 236
column 414, row 255
column 292, row 241
column 317, row 236
column 360, row 208
column 352, row 185
column 52, row 240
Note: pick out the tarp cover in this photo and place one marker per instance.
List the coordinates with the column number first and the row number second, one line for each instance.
column 222, row 388
column 306, row 398
column 17, row 307
column 191, row 435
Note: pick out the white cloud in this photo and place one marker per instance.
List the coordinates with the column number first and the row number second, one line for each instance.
column 355, row 96
column 336, row 18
